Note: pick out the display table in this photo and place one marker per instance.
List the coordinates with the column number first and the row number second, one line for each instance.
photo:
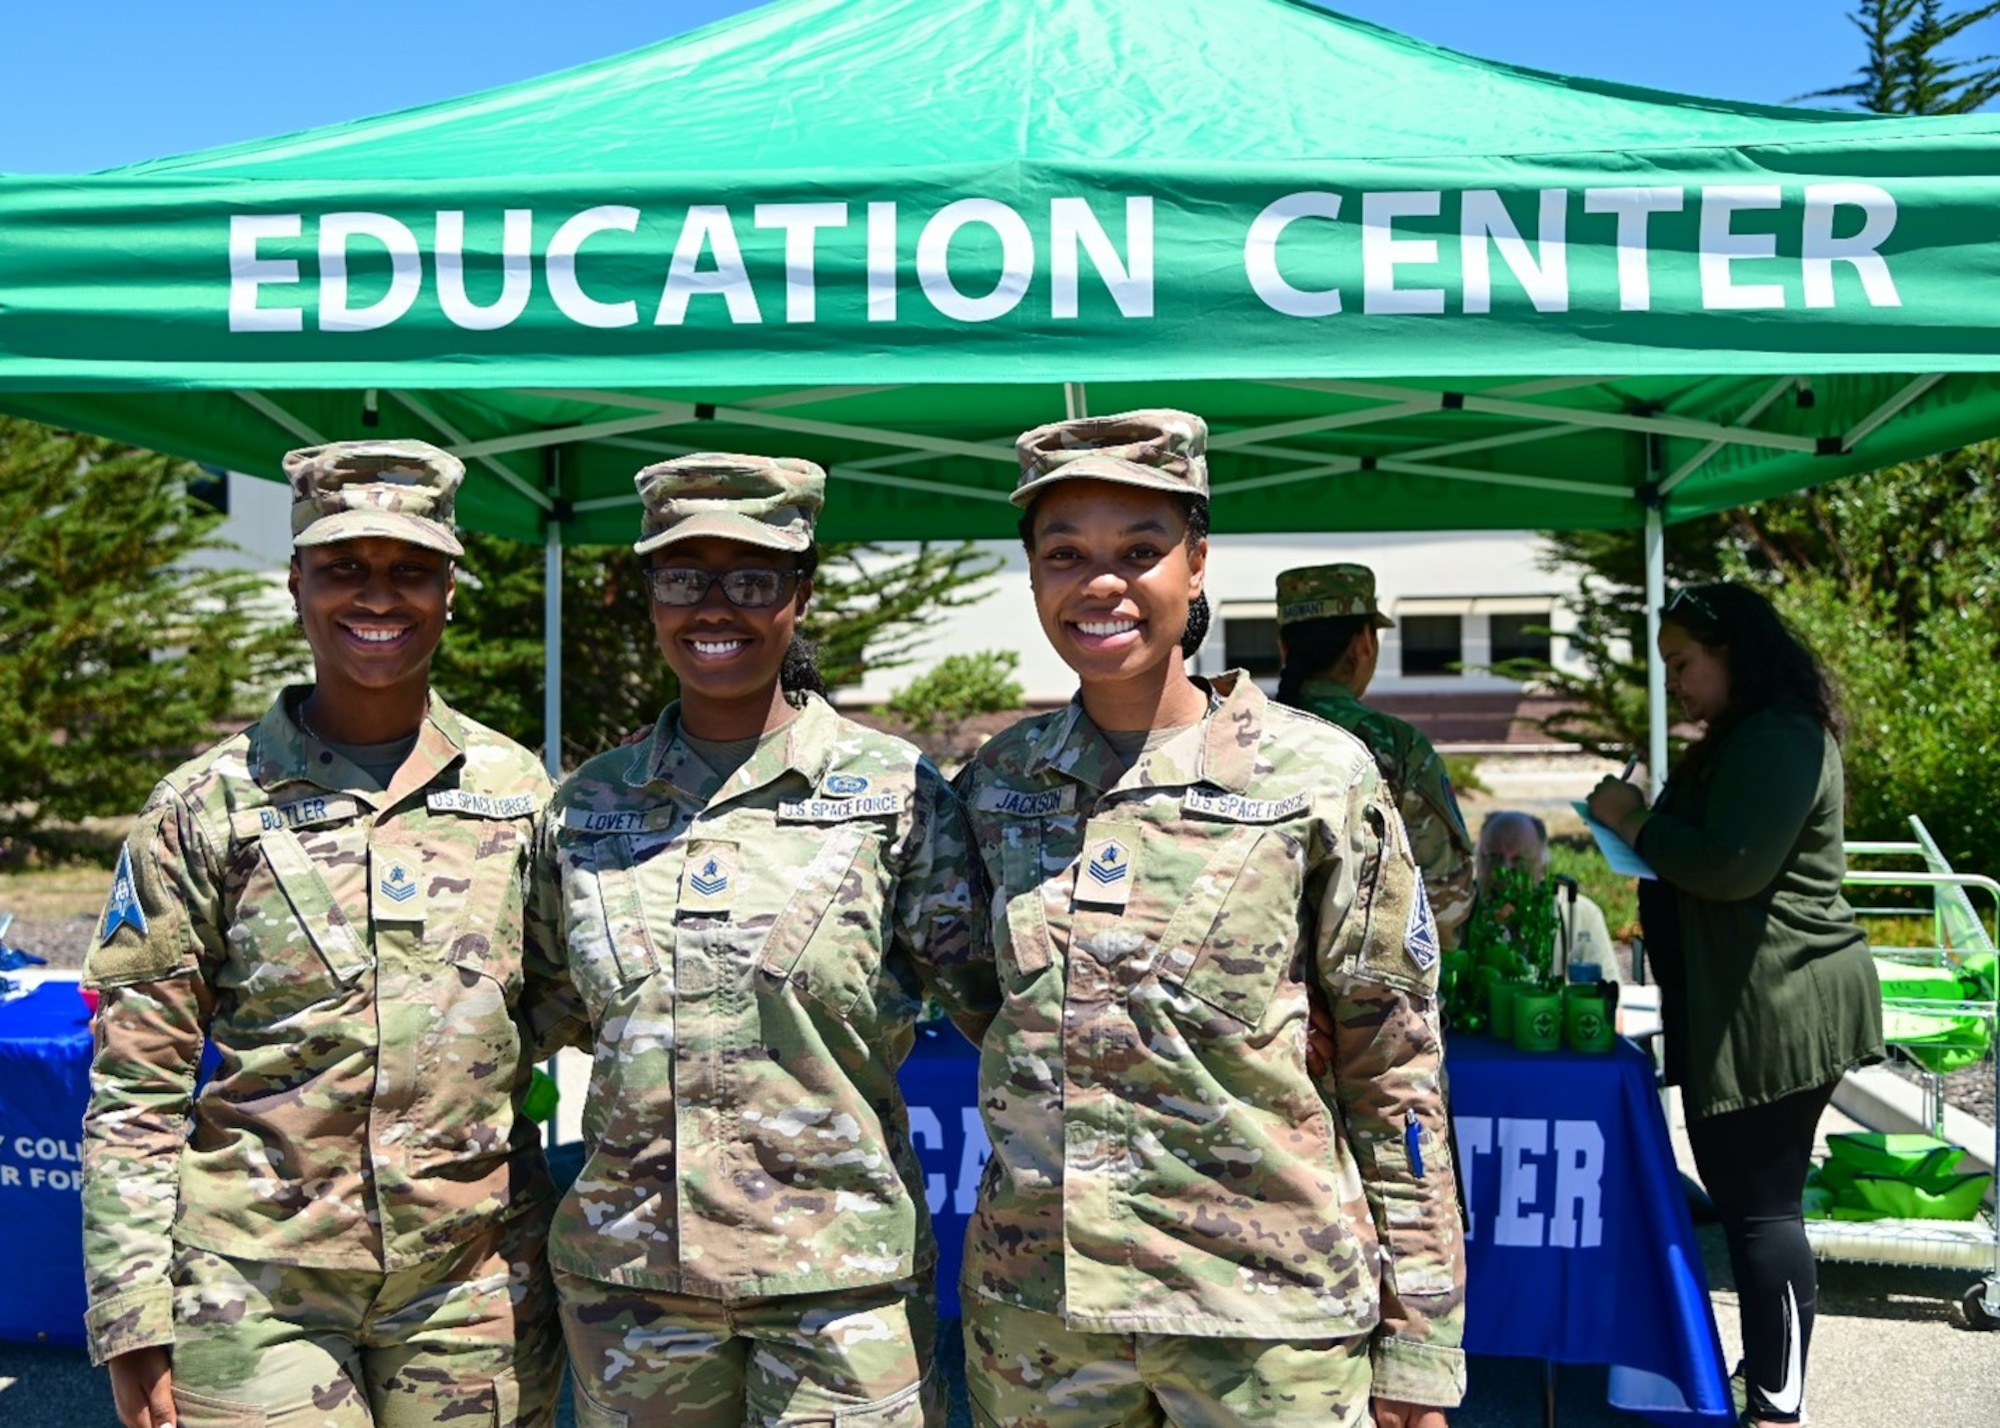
column 44, row 1086
column 1580, row 1249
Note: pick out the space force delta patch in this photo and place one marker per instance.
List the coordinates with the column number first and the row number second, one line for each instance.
column 123, row 910
column 1023, row 803
column 480, row 805
column 1235, row 808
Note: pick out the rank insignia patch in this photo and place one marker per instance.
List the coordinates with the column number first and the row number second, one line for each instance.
column 1106, row 875
column 709, row 879
column 399, row 893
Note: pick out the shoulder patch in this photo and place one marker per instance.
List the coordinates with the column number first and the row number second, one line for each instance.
column 123, row 910
column 1420, row 936
column 1026, row 803
column 1234, row 808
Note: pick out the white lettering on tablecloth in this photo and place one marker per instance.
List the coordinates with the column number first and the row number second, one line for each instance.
column 1573, row 1217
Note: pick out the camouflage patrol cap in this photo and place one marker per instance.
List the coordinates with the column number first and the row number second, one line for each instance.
column 1328, row 592
column 771, row 501
column 347, row 490
column 1161, row 449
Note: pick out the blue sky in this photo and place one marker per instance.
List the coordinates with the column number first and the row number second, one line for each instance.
column 94, row 83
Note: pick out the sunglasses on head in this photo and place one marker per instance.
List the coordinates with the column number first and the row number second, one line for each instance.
column 746, row 589
column 1684, row 599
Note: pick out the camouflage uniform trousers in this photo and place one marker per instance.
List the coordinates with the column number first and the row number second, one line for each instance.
column 1024, row 1369
column 857, row 1358
column 462, row 1341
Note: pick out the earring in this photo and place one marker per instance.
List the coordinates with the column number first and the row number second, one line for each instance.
column 447, row 614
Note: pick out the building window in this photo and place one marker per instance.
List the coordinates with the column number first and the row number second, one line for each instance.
column 1251, row 643
column 1432, row 644
column 1520, row 637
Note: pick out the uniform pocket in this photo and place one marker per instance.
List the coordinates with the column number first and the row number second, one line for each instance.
column 199, row 1410
column 605, row 928
column 905, row 1408
column 1023, row 946
column 827, row 939
column 1236, row 931
column 472, row 877
column 592, row 1414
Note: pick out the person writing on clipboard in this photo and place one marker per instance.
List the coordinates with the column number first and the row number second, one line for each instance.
column 1767, row 991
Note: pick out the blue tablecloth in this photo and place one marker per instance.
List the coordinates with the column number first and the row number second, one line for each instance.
column 1580, row 1251
column 44, row 1086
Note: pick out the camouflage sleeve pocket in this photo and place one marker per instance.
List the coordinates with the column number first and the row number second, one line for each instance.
column 1388, row 934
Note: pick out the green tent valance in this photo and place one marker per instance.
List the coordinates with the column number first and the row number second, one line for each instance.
column 1408, row 289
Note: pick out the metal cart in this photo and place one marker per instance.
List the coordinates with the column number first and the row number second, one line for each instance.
column 1920, row 1025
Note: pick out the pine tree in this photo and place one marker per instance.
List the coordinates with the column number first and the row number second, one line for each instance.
column 870, row 609
column 117, row 658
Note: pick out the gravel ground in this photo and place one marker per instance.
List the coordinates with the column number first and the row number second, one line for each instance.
column 62, row 940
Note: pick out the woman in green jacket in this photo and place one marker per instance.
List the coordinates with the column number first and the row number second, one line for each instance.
column 1766, row 986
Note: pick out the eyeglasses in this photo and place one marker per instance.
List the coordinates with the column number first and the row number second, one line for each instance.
column 745, row 589
column 1685, row 599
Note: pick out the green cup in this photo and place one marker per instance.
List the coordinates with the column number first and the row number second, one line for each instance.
column 1586, row 1017
column 1538, row 1020
column 540, row 1102
column 1500, row 1003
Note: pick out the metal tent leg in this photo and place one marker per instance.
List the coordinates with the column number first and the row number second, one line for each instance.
column 1656, row 670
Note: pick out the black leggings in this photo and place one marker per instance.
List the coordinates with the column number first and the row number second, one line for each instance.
column 1753, row 1163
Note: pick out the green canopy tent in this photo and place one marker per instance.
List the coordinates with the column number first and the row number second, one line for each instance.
column 1409, row 289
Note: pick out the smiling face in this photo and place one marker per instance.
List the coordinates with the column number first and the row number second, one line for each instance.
column 1113, row 578
column 373, row 610
column 1697, row 676
column 724, row 654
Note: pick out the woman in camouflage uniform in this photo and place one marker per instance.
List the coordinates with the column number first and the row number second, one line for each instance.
column 346, row 1225
column 753, row 901
column 1180, row 1222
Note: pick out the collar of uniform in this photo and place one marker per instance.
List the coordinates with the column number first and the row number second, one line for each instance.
column 1328, row 691
column 1073, row 747
column 1219, row 750
column 1231, row 732
column 280, row 751
column 440, row 744
column 807, row 749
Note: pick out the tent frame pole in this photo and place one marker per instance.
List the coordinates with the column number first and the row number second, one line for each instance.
column 552, row 573
column 1656, row 669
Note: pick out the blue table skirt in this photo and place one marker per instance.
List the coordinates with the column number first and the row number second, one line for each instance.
column 1580, row 1250
column 44, row 1086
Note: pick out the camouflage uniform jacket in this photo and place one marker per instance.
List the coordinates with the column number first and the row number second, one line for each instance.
column 1417, row 777
column 1162, row 1160
column 753, row 953
column 356, row 958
